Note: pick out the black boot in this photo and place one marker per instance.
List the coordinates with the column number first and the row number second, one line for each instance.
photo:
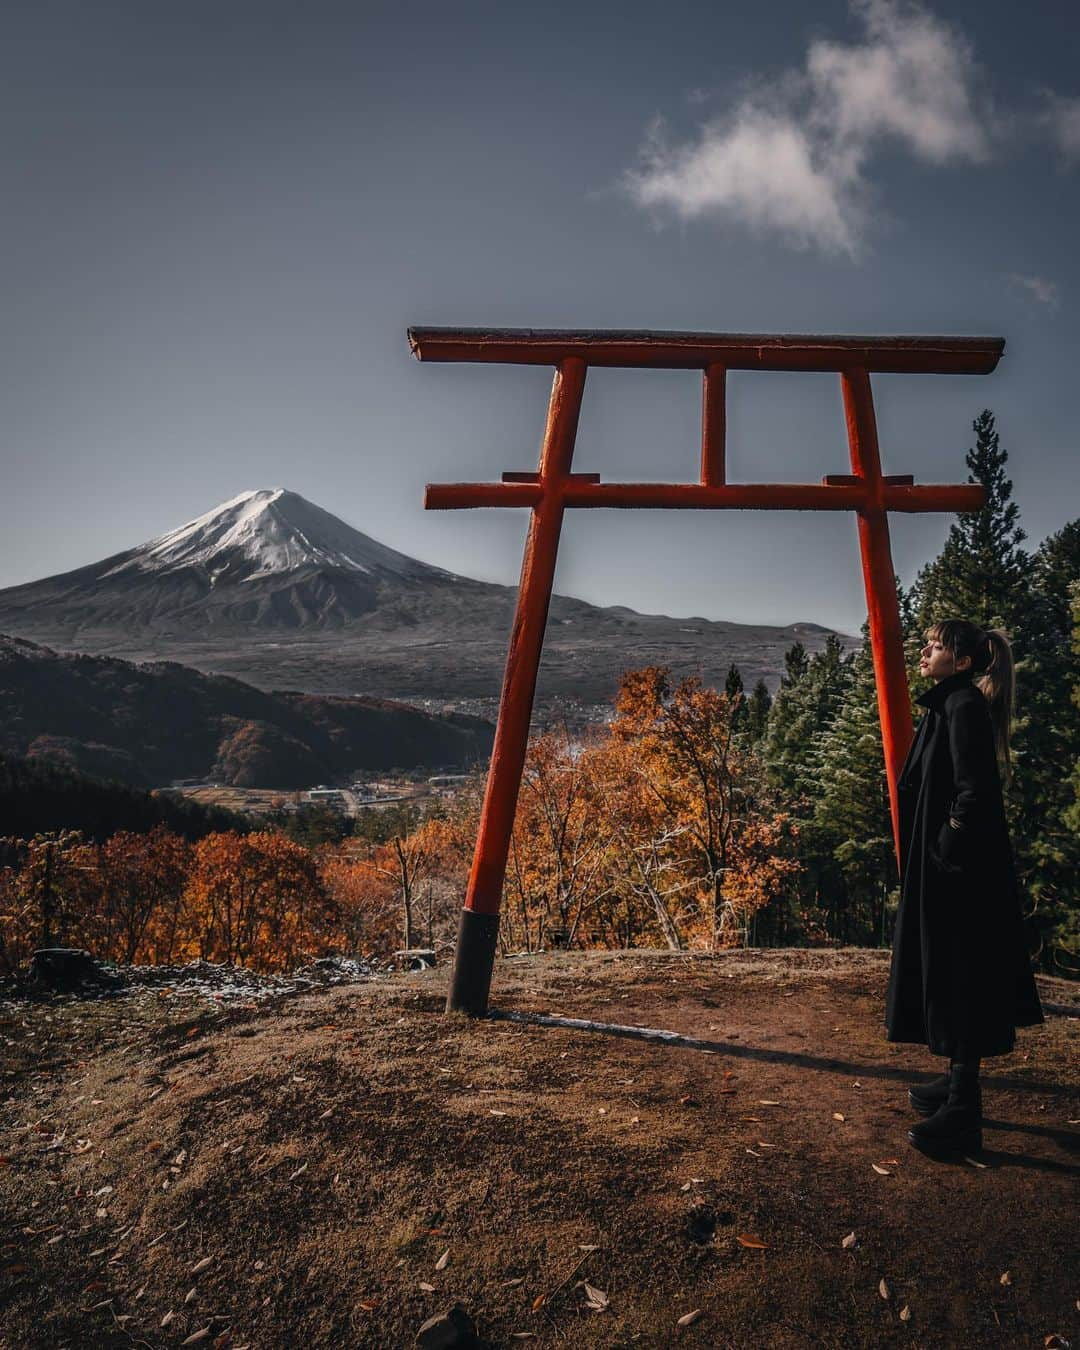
column 927, row 1097
column 955, row 1128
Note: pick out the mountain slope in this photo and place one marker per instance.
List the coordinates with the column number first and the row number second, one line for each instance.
column 274, row 590
column 147, row 725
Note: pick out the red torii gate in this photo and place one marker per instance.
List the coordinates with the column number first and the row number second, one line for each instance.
column 552, row 488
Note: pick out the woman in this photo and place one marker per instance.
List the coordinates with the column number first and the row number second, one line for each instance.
column 961, row 980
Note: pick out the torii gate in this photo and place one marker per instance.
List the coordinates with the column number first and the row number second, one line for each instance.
column 553, row 487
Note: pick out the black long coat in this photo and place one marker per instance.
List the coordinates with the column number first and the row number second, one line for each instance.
column 961, row 977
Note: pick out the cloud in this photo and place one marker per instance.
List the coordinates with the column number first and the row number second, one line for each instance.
column 1042, row 288
column 1062, row 117
column 792, row 158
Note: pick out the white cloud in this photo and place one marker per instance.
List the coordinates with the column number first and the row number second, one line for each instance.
column 1042, row 288
column 762, row 169
column 1062, row 116
column 792, row 159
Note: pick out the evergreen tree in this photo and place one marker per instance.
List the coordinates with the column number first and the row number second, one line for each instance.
column 1046, row 748
column 806, row 704
column 733, row 687
column 757, row 711
column 1066, row 938
column 807, row 701
column 796, row 664
column 981, row 573
column 852, row 822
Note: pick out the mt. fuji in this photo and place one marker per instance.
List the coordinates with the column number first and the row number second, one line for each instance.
column 276, row 591
column 265, row 559
column 265, row 533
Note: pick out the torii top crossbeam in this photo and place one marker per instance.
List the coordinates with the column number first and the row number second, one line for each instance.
column 696, row 351
column 553, row 487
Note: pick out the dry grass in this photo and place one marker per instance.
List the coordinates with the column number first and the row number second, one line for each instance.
column 324, row 1152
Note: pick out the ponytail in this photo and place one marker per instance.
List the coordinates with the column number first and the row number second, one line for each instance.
column 998, row 684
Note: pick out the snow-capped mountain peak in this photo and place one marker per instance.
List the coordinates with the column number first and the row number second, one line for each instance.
column 267, row 532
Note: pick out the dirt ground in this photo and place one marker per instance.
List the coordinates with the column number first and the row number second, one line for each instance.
column 334, row 1167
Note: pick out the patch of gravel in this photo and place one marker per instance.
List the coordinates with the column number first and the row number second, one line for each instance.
column 217, row 983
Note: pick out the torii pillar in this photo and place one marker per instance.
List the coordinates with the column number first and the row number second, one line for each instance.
column 553, row 487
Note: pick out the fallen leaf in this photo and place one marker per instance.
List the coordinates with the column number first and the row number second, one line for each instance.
column 440, row 1264
column 753, row 1154
column 512, row 1284
column 1056, row 1342
column 849, row 1241
column 974, row 1162
column 881, row 1171
column 427, row 1288
column 200, row 1266
column 595, row 1298
column 167, row 1319
column 540, row 1299
column 905, row 1313
column 749, row 1240
column 687, row 1318
column 191, row 1295
column 299, row 1171
column 1006, row 1278
column 493, row 1112
column 327, row 1113
column 197, row 1336
column 837, row 1116
column 368, row 1304
column 883, row 1288
column 765, row 1101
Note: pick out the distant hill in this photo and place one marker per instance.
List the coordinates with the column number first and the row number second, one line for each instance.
column 150, row 724
column 276, row 591
column 37, row 796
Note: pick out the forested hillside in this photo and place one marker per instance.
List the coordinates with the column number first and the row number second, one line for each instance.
column 149, row 724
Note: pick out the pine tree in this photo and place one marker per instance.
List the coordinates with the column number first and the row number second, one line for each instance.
column 1046, row 748
column 733, row 687
column 852, row 822
column 981, row 573
column 796, row 664
column 807, row 701
column 757, row 711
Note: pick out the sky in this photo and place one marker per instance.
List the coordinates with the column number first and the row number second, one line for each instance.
column 221, row 218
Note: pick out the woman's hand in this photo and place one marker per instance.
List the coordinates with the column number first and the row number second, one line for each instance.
column 949, row 852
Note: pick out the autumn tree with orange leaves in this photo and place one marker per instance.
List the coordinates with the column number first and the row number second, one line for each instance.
column 709, row 794
column 254, row 899
column 556, row 872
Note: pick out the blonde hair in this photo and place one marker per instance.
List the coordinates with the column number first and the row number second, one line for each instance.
column 993, row 671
